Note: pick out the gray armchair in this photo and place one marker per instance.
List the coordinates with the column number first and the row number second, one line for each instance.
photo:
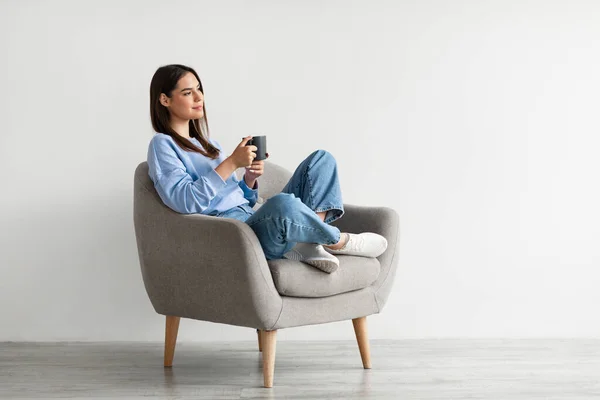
column 213, row 269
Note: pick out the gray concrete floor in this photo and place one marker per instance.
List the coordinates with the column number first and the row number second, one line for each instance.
column 407, row 369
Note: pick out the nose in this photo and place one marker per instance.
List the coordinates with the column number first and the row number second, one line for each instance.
column 198, row 96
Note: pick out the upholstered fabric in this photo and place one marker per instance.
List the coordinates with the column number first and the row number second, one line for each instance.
column 201, row 267
column 384, row 221
column 296, row 279
column 298, row 311
column 213, row 269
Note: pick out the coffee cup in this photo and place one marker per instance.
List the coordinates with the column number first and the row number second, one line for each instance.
column 261, row 143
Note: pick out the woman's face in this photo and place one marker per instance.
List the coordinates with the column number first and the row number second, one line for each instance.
column 186, row 101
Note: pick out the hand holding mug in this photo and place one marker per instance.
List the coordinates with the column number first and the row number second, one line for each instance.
column 260, row 142
column 257, row 168
column 243, row 155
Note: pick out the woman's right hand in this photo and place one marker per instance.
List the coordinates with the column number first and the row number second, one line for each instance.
column 243, row 155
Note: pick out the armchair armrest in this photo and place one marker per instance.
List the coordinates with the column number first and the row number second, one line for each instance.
column 206, row 268
column 381, row 220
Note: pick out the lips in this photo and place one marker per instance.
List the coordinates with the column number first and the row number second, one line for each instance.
column 198, row 108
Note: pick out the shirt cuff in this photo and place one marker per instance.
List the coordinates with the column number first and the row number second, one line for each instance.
column 248, row 192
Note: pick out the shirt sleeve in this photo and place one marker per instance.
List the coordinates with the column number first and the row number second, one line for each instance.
column 175, row 186
column 249, row 194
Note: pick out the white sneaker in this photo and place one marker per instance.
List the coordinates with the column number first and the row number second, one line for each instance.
column 364, row 244
column 315, row 255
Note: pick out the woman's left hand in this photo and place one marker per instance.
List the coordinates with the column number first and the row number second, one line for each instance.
column 255, row 170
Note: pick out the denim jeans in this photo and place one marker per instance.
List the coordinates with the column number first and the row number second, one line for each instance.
column 290, row 216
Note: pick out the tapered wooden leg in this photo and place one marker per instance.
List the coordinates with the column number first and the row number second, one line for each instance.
column 269, row 342
column 259, row 339
column 171, row 329
column 362, row 337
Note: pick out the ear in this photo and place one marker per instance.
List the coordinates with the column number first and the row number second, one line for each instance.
column 164, row 100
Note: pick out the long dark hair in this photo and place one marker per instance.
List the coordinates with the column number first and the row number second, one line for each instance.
column 164, row 81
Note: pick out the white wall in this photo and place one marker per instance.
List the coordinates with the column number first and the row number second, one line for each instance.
column 477, row 121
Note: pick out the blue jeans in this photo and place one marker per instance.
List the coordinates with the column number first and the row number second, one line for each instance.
column 290, row 216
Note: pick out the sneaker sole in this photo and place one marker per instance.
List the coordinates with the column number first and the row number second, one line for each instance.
column 328, row 266
column 323, row 265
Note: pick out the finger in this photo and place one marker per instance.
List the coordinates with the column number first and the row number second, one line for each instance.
column 255, row 168
column 244, row 141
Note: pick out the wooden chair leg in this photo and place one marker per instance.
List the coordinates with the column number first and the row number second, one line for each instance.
column 269, row 342
column 171, row 329
column 259, row 340
column 362, row 337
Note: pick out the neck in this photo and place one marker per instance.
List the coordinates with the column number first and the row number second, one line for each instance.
column 182, row 127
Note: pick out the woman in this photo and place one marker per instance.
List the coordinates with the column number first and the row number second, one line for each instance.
column 192, row 175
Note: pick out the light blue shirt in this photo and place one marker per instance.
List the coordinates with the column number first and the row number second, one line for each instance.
column 188, row 183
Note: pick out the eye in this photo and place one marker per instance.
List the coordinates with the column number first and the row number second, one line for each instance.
column 187, row 93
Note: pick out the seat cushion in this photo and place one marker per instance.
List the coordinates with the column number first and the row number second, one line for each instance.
column 297, row 279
